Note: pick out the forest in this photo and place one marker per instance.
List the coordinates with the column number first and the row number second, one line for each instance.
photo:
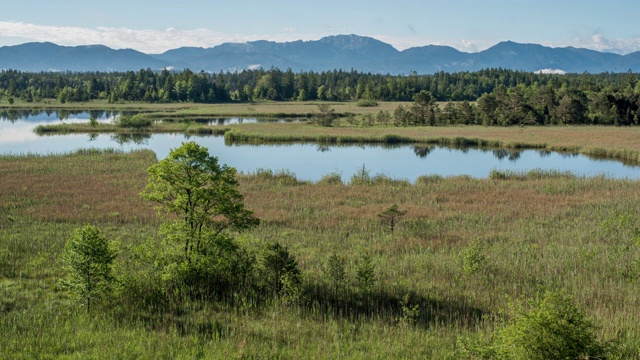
column 491, row 97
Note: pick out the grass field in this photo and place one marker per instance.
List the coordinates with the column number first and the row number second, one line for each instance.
column 534, row 231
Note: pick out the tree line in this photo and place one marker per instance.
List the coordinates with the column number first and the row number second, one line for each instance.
column 495, row 96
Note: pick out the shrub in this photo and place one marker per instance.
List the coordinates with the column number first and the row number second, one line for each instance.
column 331, row 179
column 335, row 270
column 550, row 328
column 281, row 270
column 366, row 103
column 365, row 274
column 473, row 259
column 136, row 121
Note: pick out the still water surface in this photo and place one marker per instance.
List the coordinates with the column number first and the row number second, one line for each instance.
column 308, row 161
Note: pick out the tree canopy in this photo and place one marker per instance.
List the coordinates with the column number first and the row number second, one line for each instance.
column 202, row 195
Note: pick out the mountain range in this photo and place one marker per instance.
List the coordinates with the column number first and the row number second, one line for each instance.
column 346, row 52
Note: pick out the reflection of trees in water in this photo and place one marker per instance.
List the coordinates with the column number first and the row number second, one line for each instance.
column 62, row 114
column 93, row 136
column 422, row 151
column 96, row 114
column 323, row 148
column 544, row 153
column 14, row 114
column 138, row 139
column 507, row 154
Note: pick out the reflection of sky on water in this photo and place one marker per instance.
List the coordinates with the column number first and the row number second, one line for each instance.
column 312, row 161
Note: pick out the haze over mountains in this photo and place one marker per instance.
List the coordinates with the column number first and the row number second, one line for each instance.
column 346, row 52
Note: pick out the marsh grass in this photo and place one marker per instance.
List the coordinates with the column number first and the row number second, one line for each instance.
column 535, row 231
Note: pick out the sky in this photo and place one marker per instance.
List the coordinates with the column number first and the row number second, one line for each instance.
column 467, row 25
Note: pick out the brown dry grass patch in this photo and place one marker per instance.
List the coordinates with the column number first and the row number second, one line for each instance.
column 77, row 188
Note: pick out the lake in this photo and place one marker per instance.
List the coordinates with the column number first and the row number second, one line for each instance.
column 306, row 161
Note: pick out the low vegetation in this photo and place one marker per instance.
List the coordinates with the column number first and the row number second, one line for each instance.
column 327, row 277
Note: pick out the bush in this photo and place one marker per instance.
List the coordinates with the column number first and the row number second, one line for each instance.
column 326, row 115
column 551, row 328
column 366, row 103
column 331, row 179
column 365, row 274
column 473, row 259
column 281, row 270
column 136, row 121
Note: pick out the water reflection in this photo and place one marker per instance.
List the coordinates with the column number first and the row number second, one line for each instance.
column 507, row 154
column 134, row 139
column 422, row 151
column 30, row 115
column 307, row 161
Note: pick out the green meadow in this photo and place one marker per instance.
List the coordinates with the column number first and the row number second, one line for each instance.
column 437, row 286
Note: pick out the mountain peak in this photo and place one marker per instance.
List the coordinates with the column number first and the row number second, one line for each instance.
column 352, row 41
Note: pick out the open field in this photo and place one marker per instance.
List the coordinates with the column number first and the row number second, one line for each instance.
column 535, row 231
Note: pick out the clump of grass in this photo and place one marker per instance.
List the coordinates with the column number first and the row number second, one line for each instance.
column 429, row 179
column 331, row 179
column 282, row 177
column 535, row 174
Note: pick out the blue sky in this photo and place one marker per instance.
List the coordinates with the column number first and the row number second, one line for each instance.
column 468, row 25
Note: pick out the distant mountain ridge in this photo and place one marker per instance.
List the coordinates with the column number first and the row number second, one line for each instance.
column 364, row 54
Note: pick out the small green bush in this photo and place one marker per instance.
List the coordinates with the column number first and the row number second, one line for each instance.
column 331, row 179
column 366, row 103
column 549, row 328
column 281, row 270
column 473, row 259
column 136, row 121
column 335, row 271
column 365, row 274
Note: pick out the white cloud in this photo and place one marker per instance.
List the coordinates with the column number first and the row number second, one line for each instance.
column 254, row 67
column 403, row 43
column 551, row 71
column 148, row 41
column 599, row 42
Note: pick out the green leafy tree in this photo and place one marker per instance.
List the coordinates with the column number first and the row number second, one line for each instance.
column 88, row 259
column 423, row 108
column 202, row 195
column 197, row 252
